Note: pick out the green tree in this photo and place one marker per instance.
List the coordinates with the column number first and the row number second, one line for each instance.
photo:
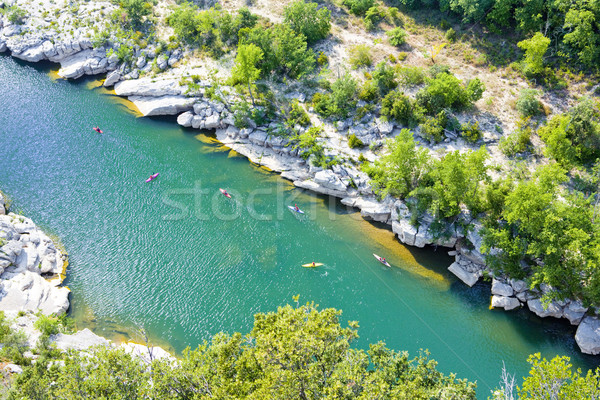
column 397, row 36
column 401, row 170
column 583, row 35
column 447, row 91
column 309, row 20
column 535, row 49
column 245, row 70
column 398, row 107
column 135, row 11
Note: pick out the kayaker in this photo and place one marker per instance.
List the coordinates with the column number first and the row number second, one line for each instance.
column 297, row 209
column 313, row 263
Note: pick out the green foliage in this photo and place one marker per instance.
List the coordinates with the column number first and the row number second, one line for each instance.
column 322, row 60
column 296, row 115
column 574, row 137
column 535, row 49
column 583, row 35
column 134, row 13
column 447, row 91
column 384, row 77
column 354, row 141
column 411, row 76
column 470, row 131
column 400, row 108
column 16, row 15
column 451, row 35
column 372, row 17
column 341, row 101
column 212, row 30
column 432, row 128
column 556, row 379
column 396, row 36
column 528, row 104
column 401, row 170
column 369, row 91
column 244, row 71
column 358, row 7
column 308, row 142
column 309, row 20
column 285, row 52
column 47, row 325
column 360, row 56
column 294, row 353
column 517, row 142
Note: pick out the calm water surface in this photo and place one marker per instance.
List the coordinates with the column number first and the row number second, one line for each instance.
column 182, row 262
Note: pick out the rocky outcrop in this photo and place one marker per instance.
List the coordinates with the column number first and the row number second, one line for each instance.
column 501, row 289
column 80, row 340
column 469, row 278
column 27, row 254
column 147, row 87
column 552, row 309
column 588, row 335
column 165, row 105
column 508, row 303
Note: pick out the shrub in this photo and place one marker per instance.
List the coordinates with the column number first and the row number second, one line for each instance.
column 451, row 35
column 306, row 18
column 400, row 108
column 470, row 131
column 396, row 36
column 402, row 56
column 360, row 56
column 411, row 76
column 354, row 141
column 47, row 325
column 518, row 141
column 447, row 91
column 322, row 59
column 308, row 143
column 297, row 115
column 384, row 77
column 528, row 104
column 432, row 128
column 341, row 100
column 372, row 17
column 535, row 48
column 369, row 91
column 16, row 15
column 358, row 7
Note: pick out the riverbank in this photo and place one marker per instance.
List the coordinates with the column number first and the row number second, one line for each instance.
column 162, row 94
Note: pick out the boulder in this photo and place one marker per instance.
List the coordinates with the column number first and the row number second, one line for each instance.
column 518, row 285
column 552, row 310
column 148, row 87
column 81, row 340
column 573, row 316
column 77, row 65
column 198, row 122
column 3, row 46
column 13, row 369
column 508, row 303
column 165, row 105
column 470, row 278
column 501, row 289
column 258, row 137
column 185, row 119
column 32, row 54
column 329, row 180
column 212, row 122
column 423, row 237
column 146, row 353
column 372, row 209
column 385, row 127
column 588, row 335
column 112, row 78
column 577, row 306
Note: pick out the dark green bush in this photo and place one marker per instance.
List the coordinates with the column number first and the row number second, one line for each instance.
column 527, row 104
column 385, row 78
column 411, row 76
column 358, row 7
column 396, row 36
column 372, row 17
column 400, row 108
column 297, row 115
column 354, row 141
column 447, row 91
column 470, row 131
column 306, row 18
column 432, row 128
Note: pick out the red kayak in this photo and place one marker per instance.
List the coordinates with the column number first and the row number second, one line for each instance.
column 225, row 193
column 97, row 129
column 152, row 177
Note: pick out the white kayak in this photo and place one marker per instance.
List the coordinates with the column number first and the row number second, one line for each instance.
column 381, row 260
column 299, row 211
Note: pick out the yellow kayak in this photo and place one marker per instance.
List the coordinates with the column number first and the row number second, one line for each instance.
column 312, row 265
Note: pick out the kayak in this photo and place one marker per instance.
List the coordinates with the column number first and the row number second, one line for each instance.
column 152, row 177
column 310, row 265
column 225, row 193
column 381, row 260
column 299, row 211
column 97, row 130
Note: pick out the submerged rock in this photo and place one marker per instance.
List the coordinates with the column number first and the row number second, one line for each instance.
column 470, row 278
column 508, row 303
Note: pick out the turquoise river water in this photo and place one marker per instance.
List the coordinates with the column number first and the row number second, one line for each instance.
column 179, row 260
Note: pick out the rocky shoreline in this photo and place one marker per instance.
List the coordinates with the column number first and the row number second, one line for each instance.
column 163, row 94
column 32, row 272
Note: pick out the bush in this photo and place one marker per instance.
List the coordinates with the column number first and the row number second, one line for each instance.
column 400, row 108
column 384, row 77
column 517, row 142
column 396, row 36
column 322, row 60
column 470, row 131
column 47, row 325
column 432, row 128
column 360, row 56
column 411, row 76
column 369, row 91
column 447, row 91
column 528, row 104
column 307, row 19
column 341, row 101
column 354, row 141
column 372, row 17
column 16, row 15
column 451, row 35
column 297, row 115
column 358, row 7
column 308, row 143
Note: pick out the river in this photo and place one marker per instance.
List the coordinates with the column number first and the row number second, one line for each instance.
column 183, row 262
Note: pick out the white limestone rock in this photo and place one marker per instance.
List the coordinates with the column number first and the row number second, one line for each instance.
column 80, row 340
column 405, row 231
column 185, row 119
column 552, row 310
column 508, row 303
column 32, row 54
column 423, row 237
column 588, row 335
column 29, row 291
column 328, row 180
column 212, row 122
column 146, row 353
column 469, row 278
column 518, row 285
column 573, row 316
column 148, row 87
column 112, row 78
column 165, row 105
column 501, row 289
